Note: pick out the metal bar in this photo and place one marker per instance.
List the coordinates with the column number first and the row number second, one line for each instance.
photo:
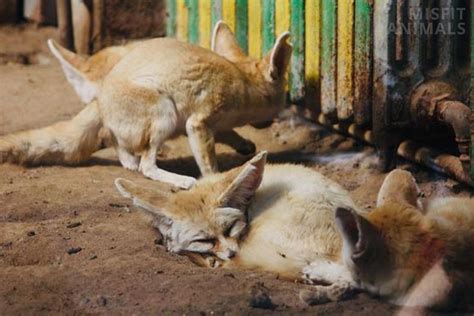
column 216, row 14
column 442, row 29
column 384, row 80
column 193, row 21
column 312, row 53
column 205, row 23
column 268, row 24
column 228, row 13
column 255, row 28
column 283, row 21
column 471, row 21
column 282, row 16
column 443, row 163
column 412, row 71
column 182, row 20
column 82, row 21
column 65, row 24
column 429, row 157
column 363, row 62
column 171, row 18
column 97, row 25
column 297, row 60
column 345, row 41
column 241, row 27
column 328, row 58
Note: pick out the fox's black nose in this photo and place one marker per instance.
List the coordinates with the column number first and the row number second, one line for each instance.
column 231, row 253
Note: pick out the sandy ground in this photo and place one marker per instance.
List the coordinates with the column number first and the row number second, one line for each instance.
column 118, row 268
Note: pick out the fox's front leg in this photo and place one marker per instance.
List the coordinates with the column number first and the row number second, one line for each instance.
column 233, row 139
column 201, row 140
column 324, row 271
column 321, row 294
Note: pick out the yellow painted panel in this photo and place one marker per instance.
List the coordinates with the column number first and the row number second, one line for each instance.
column 282, row 16
column 255, row 28
column 312, row 41
column 345, row 51
column 205, row 23
column 228, row 13
column 182, row 20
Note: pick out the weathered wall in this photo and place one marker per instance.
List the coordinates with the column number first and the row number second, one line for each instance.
column 125, row 20
column 9, row 11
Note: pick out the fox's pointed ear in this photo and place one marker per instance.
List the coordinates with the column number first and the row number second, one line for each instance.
column 152, row 201
column 71, row 64
column 400, row 187
column 240, row 192
column 279, row 57
column 361, row 240
column 225, row 44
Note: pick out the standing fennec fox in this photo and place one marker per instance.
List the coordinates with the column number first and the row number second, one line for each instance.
column 159, row 89
column 294, row 221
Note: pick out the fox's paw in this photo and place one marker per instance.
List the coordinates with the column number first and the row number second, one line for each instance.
column 314, row 297
column 130, row 164
column 128, row 160
column 323, row 294
column 246, row 148
column 326, row 272
column 154, row 173
column 185, row 182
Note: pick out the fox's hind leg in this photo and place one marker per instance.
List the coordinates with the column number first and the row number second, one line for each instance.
column 201, row 140
column 127, row 159
column 164, row 120
column 233, row 139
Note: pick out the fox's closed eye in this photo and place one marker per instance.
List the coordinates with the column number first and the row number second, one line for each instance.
column 201, row 245
column 205, row 240
column 235, row 229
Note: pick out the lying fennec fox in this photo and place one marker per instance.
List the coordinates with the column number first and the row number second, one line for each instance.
column 294, row 221
column 160, row 89
column 413, row 255
column 281, row 220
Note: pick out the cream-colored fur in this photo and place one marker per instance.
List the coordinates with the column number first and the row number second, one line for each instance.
column 294, row 221
column 157, row 89
column 85, row 73
column 414, row 257
column 279, row 220
column 65, row 142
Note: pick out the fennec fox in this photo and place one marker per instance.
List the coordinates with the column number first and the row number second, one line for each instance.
column 294, row 221
column 280, row 221
column 86, row 73
column 158, row 90
column 412, row 255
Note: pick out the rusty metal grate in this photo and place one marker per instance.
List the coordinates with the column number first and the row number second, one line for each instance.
column 379, row 65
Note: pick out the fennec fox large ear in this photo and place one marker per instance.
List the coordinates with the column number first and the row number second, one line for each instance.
column 71, row 63
column 152, row 201
column 225, row 44
column 400, row 187
column 361, row 240
column 279, row 58
column 240, row 192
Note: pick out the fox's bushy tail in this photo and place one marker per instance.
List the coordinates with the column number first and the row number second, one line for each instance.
column 67, row 142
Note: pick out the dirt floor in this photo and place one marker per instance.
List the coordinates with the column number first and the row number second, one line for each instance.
column 70, row 244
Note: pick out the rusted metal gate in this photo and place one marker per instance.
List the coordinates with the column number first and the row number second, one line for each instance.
column 389, row 72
